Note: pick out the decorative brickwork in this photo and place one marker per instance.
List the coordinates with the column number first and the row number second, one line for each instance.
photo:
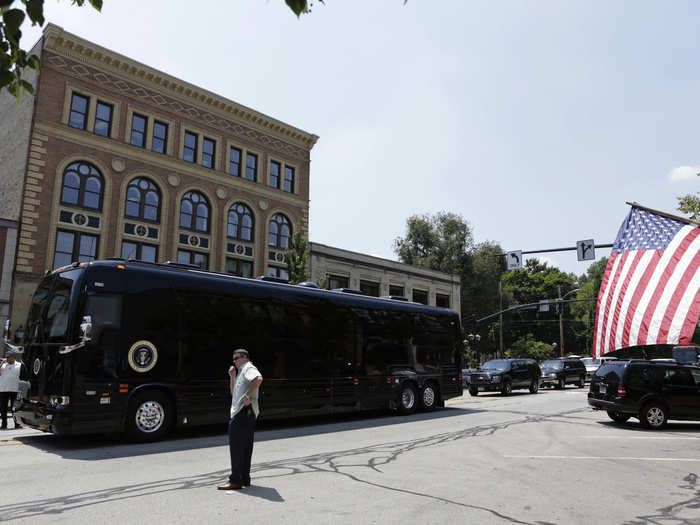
column 148, row 96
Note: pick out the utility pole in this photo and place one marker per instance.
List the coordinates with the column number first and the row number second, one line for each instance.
column 500, row 318
column 560, row 307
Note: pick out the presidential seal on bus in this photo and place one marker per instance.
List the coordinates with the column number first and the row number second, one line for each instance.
column 142, row 356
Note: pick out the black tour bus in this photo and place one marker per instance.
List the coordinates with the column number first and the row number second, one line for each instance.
column 116, row 346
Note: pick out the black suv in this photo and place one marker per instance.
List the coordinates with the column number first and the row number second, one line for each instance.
column 560, row 372
column 505, row 375
column 653, row 392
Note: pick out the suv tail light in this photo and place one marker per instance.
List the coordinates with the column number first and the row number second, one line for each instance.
column 621, row 392
column 459, row 378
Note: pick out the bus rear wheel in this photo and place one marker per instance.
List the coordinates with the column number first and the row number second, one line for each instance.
column 150, row 416
column 428, row 397
column 407, row 399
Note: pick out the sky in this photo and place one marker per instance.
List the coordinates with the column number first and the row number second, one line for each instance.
column 536, row 121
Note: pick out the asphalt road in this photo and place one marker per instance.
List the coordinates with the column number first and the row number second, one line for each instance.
column 537, row 459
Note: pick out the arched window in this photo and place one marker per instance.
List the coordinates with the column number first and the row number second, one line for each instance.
column 194, row 212
column 142, row 200
column 240, row 222
column 82, row 186
column 280, row 231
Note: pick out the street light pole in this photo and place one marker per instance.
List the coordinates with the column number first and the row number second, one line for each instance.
column 561, row 323
column 560, row 306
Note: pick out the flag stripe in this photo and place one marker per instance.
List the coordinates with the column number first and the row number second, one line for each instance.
column 610, row 270
column 637, row 272
column 664, row 288
column 647, row 265
column 680, row 280
column 691, row 320
column 620, row 304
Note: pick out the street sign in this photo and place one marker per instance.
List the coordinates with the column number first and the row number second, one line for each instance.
column 515, row 260
column 544, row 305
column 585, row 250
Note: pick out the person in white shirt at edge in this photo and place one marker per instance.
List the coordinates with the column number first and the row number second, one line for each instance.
column 244, row 384
column 10, row 372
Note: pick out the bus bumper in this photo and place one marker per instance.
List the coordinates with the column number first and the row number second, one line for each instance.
column 47, row 418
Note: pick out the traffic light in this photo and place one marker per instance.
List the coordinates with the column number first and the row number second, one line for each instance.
column 560, row 306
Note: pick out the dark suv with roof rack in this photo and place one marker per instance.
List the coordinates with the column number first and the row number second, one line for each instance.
column 505, row 375
column 560, row 372
column 651, row 391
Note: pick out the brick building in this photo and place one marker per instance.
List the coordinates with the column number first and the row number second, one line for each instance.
column 112, row 158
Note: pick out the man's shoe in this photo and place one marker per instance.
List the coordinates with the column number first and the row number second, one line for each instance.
column 229, row 486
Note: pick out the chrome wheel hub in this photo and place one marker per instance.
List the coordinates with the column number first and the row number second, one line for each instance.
column 655, row 416
column 407, row 398
column 428, row 397
column 150, row 416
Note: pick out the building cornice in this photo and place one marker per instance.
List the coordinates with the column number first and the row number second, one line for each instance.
column 371, row 261
column 59, row 41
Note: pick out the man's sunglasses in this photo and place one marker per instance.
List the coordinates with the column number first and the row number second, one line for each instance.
column 235, row 357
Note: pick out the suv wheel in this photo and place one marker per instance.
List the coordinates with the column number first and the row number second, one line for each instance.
column 618, row 417
column 507, row 388
column 474, row 390
column 654, row 416
column 534, row 386
column 582, row 382
column 562, row 383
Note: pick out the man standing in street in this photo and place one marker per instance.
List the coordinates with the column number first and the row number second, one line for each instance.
column 10, row 371
column 245, row 380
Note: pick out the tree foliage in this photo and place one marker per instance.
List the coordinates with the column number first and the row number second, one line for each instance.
column 690, row 205
column 528, row 347
column 534, row 282
column 298, row 258
column 439, row 242
column 14, row 59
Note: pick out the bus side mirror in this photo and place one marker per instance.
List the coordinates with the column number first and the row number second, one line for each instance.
column 86, row 329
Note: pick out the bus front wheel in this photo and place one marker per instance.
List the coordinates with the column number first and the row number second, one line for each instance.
column 407, row 399
column 150, row 416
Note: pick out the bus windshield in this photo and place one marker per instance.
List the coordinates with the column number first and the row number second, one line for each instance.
column 49, row 312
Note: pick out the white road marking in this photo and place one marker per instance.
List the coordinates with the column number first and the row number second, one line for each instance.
column 605, row 457
column 626, row 438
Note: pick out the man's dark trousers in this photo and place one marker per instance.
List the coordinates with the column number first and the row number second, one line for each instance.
column 240, row 441
column 6, row 400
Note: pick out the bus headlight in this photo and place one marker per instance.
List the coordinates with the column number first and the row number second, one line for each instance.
column 59, row 400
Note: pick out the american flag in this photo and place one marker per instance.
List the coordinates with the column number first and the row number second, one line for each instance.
column 650, row 292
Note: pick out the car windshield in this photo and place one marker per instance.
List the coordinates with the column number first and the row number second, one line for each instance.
column 496, row 364
column 589, row 361
column 554, row 365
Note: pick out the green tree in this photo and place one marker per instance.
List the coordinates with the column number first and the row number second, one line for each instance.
column 530, row 284
column 14, row 59
column 301, row 7
column 527, row 346
column 439, row 242
column 444, row 242
column 584, row 312
column 690, row 205
column 297, row 256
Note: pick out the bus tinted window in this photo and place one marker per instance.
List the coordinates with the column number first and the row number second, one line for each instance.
column 58, row 310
